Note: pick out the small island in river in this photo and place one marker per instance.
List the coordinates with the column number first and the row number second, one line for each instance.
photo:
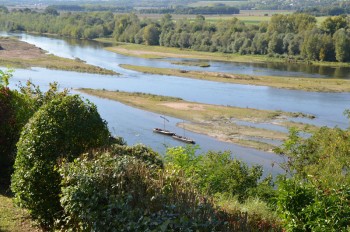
column 18, row 54
column 221, row 122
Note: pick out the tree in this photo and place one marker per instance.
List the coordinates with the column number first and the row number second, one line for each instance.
column 51, row 11
column 331, row 24
column 60, row 130
column 151, row 34
column 342, row 45
column 276, row 43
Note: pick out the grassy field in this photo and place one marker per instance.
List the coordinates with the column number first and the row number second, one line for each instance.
column 213, row 120
column 18, row 54
column 305, row 84
column 246, row 16
column 13, row 219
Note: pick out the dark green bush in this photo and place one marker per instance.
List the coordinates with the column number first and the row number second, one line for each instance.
column 122, row 193
column 14, row 113
column 60, row 130
column 9, row 134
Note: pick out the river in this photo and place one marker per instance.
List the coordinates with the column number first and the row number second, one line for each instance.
column 136, row 125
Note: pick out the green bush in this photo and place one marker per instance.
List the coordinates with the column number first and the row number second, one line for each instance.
column 216, row 172
column 14, row 113
column 324, row 157
column 316, row 196
column 16, row 107
column 60, row 130
column 138, row 151
column 122, row 193
column 304, row 206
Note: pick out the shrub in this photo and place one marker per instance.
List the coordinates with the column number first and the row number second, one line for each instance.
column 14, row 113
column 316, row 195
column 122, row 193
column 304, row 206
column 138, row 151
column 215, row 172
column 60, row 130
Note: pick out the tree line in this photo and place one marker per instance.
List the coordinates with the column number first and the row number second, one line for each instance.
column 296, row 36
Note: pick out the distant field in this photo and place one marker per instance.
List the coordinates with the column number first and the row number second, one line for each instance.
column 210, row 3
column 247, row 16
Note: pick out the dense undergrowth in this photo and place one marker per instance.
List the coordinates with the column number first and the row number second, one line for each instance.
column 72, row 176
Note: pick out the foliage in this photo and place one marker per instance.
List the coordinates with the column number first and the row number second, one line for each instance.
column 139, row 151
column 14, row 113
column 216, row 172
column 305, row 206
column 60, row 130
column 290, row 34
column 324, row 157
column 121, row 193
column 316, row 197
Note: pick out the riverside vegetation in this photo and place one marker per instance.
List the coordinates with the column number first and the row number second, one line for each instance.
column 81, row 179
column 296, row 36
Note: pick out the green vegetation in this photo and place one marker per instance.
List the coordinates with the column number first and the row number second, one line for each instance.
column 306, row 84
column 12, row 218
column 317, row 196
column 297, row 37
column 213, row 120
column 60, row 130
column 73, row 177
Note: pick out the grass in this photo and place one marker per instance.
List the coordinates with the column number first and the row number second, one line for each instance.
column 305, row 84
column 13, row 218
column 19, row 54
column 213, row 120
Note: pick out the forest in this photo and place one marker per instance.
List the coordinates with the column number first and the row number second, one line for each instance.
column 292, row 36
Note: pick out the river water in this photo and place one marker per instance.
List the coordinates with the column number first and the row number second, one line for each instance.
column 136, row 125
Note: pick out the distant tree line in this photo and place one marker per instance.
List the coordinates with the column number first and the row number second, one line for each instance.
column 296, row 36
column 88, row 8
column 206, row 10
column 331, row 10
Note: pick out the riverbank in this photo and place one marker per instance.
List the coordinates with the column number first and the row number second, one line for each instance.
column 295, row 83
column 18, row 54
column 157, row 52
column 217, row 121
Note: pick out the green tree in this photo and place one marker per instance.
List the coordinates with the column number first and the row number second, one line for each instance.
column 331, row 24
column 60, row 130
column 151, row 34
column 276, row 44
column 342, row 45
